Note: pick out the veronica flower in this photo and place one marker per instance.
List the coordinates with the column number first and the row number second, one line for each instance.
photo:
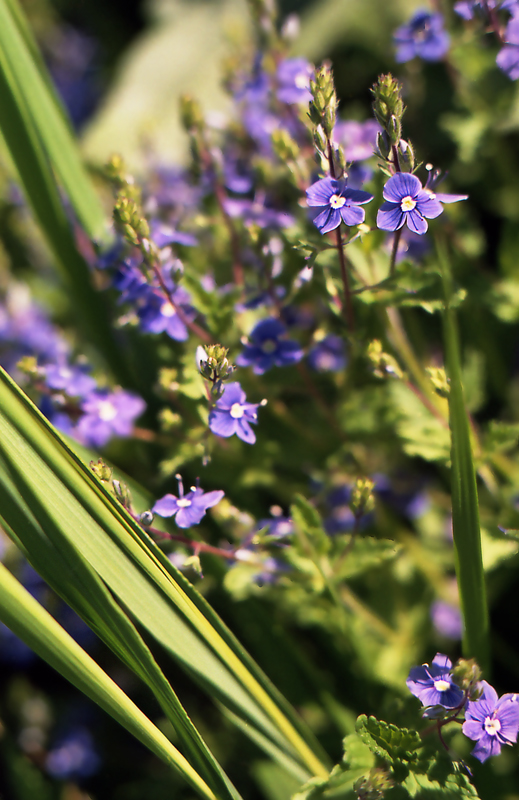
column 337, row 203
column 188, row 509
column 422, row 36
column 491, row 722
column 408, row 202
column 433, row 685
column 293, row 76
column 232, row 414
column 468, row 8
column 107, row 414
column 508, row 58
column 267, row 349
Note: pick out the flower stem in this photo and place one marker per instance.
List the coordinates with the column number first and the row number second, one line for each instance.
column 394, row 251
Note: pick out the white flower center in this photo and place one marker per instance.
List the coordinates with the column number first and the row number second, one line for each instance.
column 237, row 411
column 336, row 201
column 302, row 80
column 269, row 346
column 183, row 502
column 167, row 309
column 492, row 726
column 441, row 685
column 107, row 411
column 407, row 203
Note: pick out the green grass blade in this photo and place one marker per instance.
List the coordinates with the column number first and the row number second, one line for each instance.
column 149, row 590
column 28, row 70
column 28, row 620
column 465, row 505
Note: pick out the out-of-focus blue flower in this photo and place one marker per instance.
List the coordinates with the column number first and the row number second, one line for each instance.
column 277, row 527
column 412, row 246
column 255, row 212
column 73, row 756
column 407, row 202
column 72, row 59
column 508, row 58
column 188, row 509
column 491, row 722
column 433, row 685
column 422, row 36
column 358, row 139
column 73, row 380
column 469, row 8
column 164, row 235
column 336, row 203
column 329, row 355
column 107, row 414
column 293, row 76
column 232, row 414
column 447, row 620
column 341, row 518
column 267, row 349
column 158, row 315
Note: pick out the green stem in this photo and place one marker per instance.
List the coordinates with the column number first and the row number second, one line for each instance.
column 465, row 508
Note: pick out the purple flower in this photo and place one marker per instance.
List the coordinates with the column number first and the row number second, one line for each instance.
column 255, row 212
column 278, row 527
column 422, row 36
column 336, row 203
column 412, row 246
column 267, row 349
column 508, row 58
column 164, row 235
column 73, row 380
column 73, row 756
column 447, row 620
column 189, row 508
column 433, row 685
column 358, row 139
column 158, row 314
column 294, row 80
column 408, row 202
column 468, row 8
column 491, row 722
column 107, row 414
column 232, row 414
column 328, row 355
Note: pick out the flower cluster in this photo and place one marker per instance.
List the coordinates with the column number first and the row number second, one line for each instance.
column 489, row 720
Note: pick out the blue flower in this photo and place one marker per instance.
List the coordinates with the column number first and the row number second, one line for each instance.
column 407, row 201
column 293, row 77
column 508, row 58
column 328, row 355
column 73, row 380
column 468, row 8
column 159, row 315
column 232, row 414
column 267, row 349
column 491, row 722
column 447, row 620
column 188, row 509
column 73, row 756
column 358, row 139
column 433, row 685
column 337, row 204
column 422, row 36
column 107, row 414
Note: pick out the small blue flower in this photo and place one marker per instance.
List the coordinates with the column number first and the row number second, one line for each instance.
column 328, row 355
column 107, row 414
column 469, row 8
column 268, row 349
column 336, row 203
column 293, row 76
column 491, row 722
column 408, row 202
column 73, row 756
column 433, row 685
column 447, row 620
column 358, row 139
column 73, row 380
column 188, row 509
column 233, row 415
column 508, row 58
column 422, row 36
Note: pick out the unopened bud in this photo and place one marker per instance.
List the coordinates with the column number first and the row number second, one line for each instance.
column 384, row 365
column 362, row 500
column 439, row 380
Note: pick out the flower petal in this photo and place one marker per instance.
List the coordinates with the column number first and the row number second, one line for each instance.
column 403, row 184
column 319, row 193
column 245, row 432
column 415, row 222
column 221, row 422
column 390, row 217
column 352, row 215
column 166, row 506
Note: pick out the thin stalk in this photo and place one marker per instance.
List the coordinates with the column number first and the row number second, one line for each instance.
column 347, row 308
column 394, row 251
column 465, row 508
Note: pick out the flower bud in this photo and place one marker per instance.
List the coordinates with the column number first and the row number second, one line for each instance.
column 362, row 500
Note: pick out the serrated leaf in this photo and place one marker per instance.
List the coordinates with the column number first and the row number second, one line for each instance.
column 422, row 433
column 308, row 525
column 366, row 553
column 387, row 740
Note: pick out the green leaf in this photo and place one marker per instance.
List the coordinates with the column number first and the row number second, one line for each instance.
column 28, row 620
column 308, row 525
column 465, row 503
column 366, row 553
column 422, row 433
column 387, row 740
column 85, row 525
